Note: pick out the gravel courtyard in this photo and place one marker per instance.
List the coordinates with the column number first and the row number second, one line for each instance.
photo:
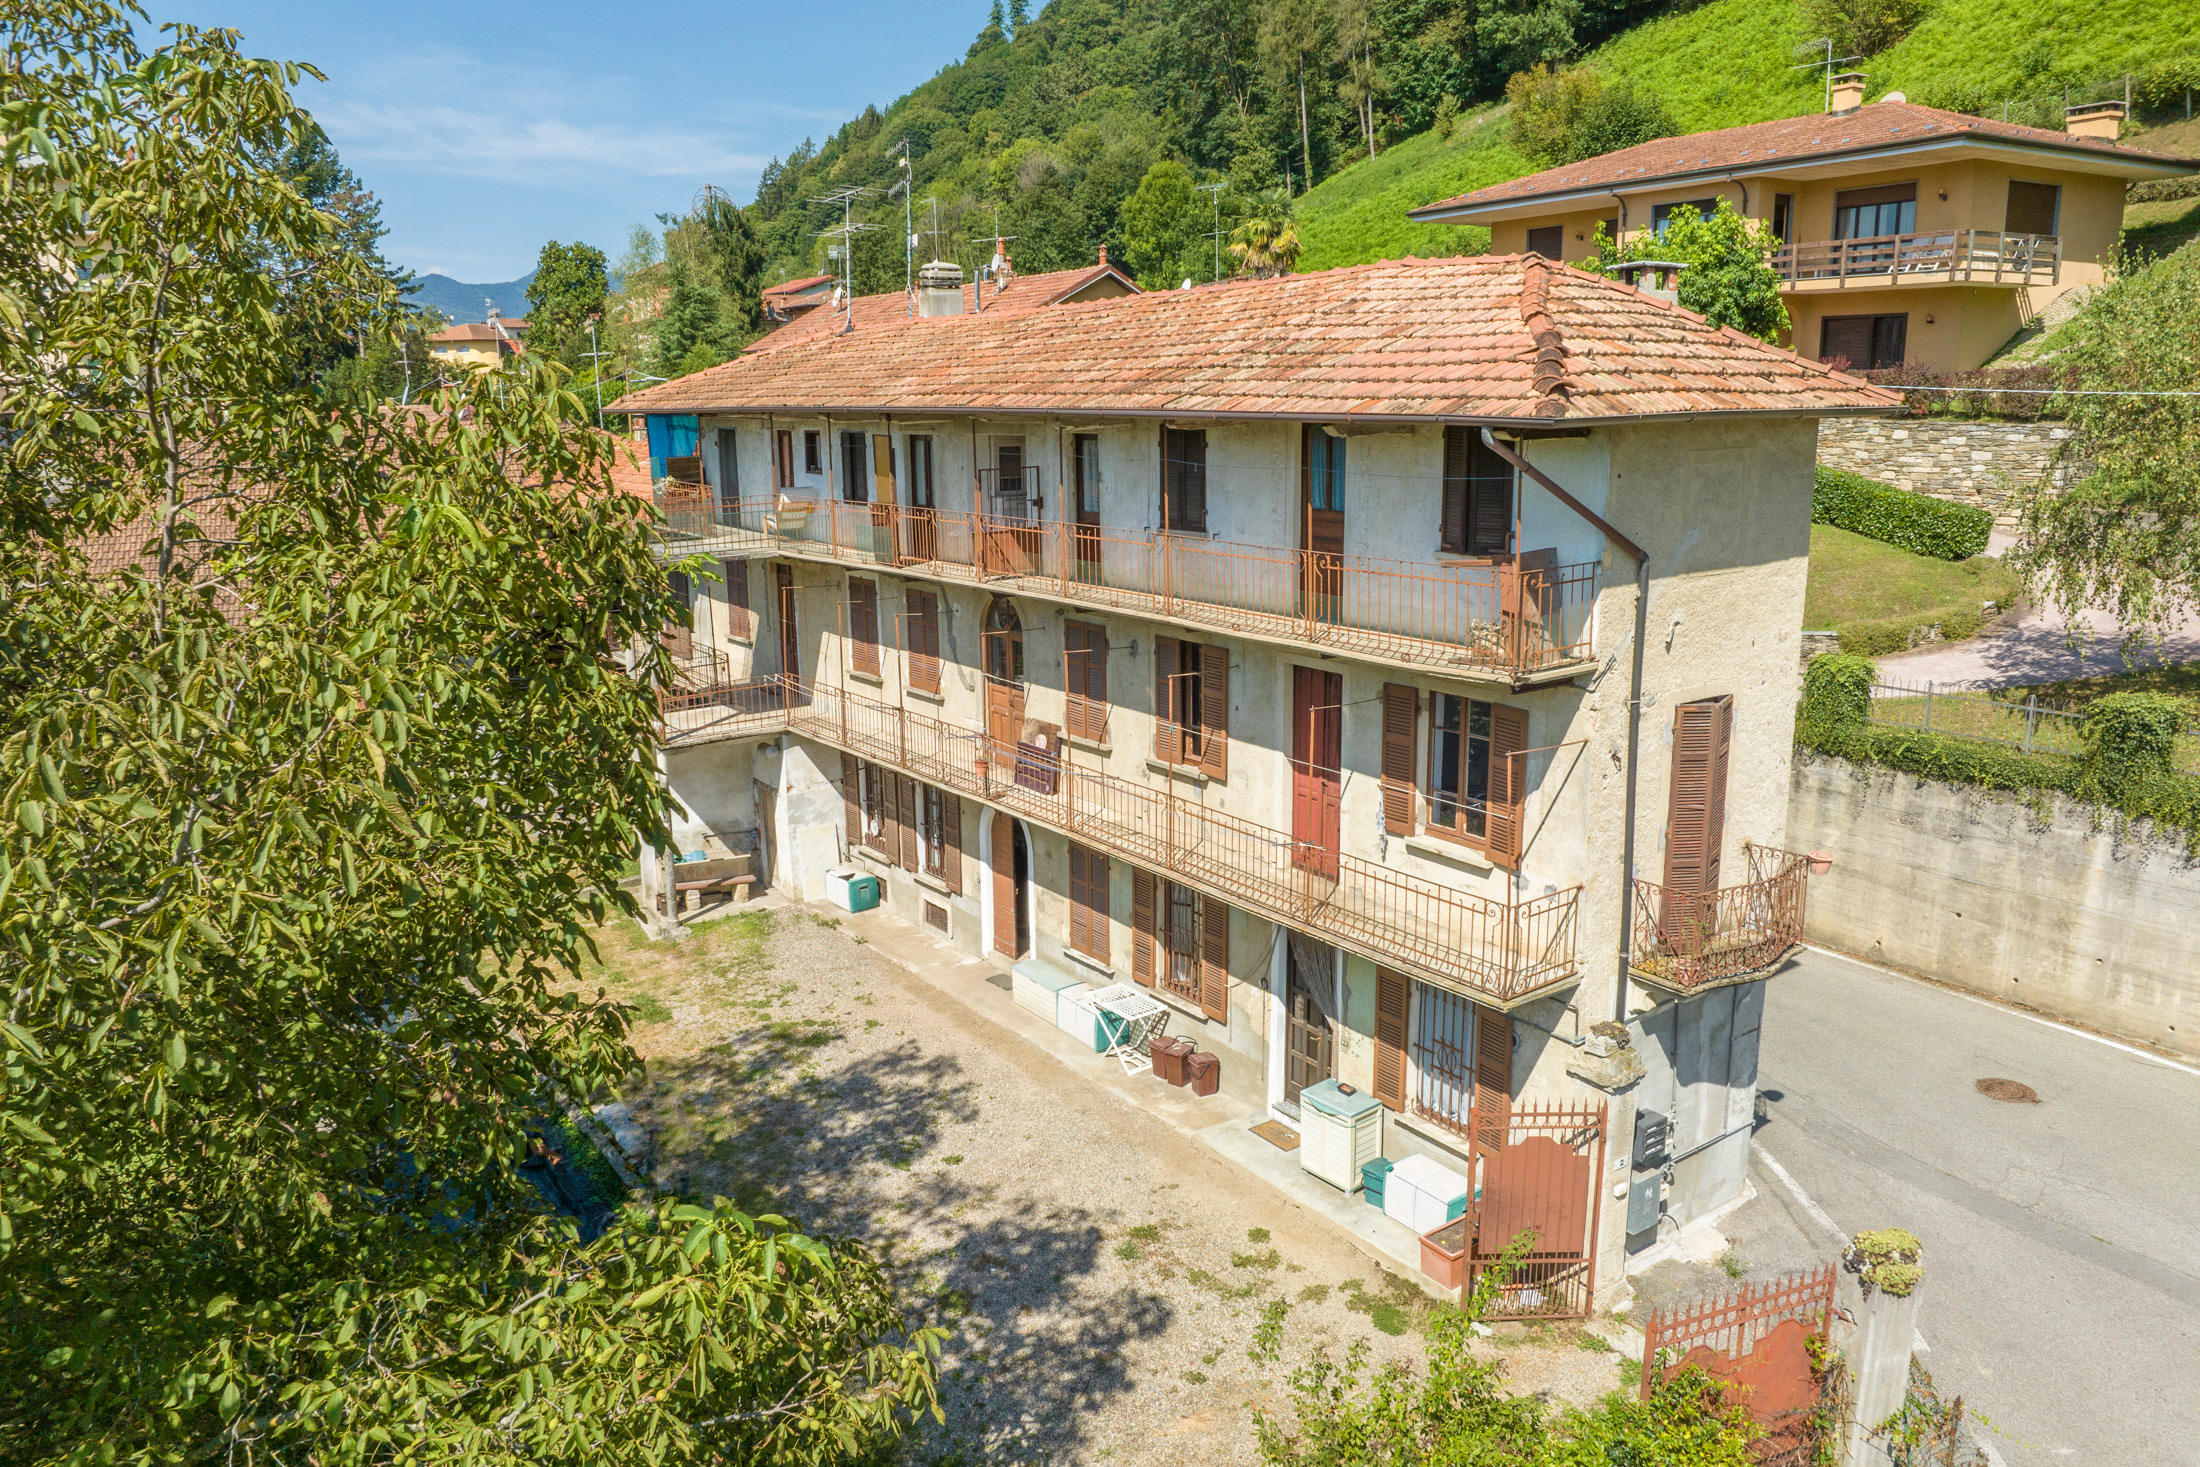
column 1103, row 1274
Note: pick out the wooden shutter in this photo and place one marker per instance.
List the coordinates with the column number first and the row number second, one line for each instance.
column 1142, row 925
column 951, row 843
column 924, row 641
column 1401, row 712
column 1452, row 534
column 1548, row 241
column 851, row 797
column 740, row 620
column 1490, row 511
column 1214, row 710
column 1695, row 821
column 1088, row 902
column 1004, row 886
column 1085, row 677
column 882, row 461
column 863, row 625
column 2033, row 207
column 1390, row 1038
column 912, row 815
column 1168, row 741
column 783, row 459
column 1508, row 791
column 1214, row 958
column 1493, row 1062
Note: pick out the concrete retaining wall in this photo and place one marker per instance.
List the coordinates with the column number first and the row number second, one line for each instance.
column 1979, row 463
column 2096, row 924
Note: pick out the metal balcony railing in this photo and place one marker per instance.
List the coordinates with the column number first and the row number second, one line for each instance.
column 1974, row 256
column 1495, row 619
column 1687, row 940
column 1497, row 951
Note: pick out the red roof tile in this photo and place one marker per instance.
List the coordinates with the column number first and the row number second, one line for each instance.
column 1021, row 293
column 1765, row 147
column 480, row 330
column 1490, row 337
column 789, row 287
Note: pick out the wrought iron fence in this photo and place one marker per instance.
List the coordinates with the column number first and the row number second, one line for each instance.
column 1686, row 939
column 2013, row 718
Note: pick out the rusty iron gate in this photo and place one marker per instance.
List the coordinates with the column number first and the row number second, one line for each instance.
column 1756, row 1338
column 1541, row 1180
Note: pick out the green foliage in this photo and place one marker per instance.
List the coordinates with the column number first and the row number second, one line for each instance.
column 1837, row 694
column 2130, row 737
column 1360, row 214
column 1882, row 598
column 1565, row 116
column 1729, row 280
column 1863, row 27
column 1886, row 1259
column 568, row 288
column 691, row 332
column 304, row 814
column 1164, row 233
column 1915, row 522
column 2126, row 531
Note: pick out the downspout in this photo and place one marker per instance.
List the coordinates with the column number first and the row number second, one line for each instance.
column 1634, row 696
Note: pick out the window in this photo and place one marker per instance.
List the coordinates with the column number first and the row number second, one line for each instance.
column 1088, row 902
column 2034, row 208
column 1610, row 228
column 855, row 481
column 1549, row 241
column 740, row 620
column 1459, row 765
column 1180, row 941
column 923, row 669
column 783, row 459
column 939, row 833
column 1460, row 1075
column 1783, row 218
column 1868, row 213
column 1864, row 341
column 1662, row 214
column 1324, row 469
column 1085, row 678
column 813, row 452
column 1478, row 496
column 1184, row 480
column 1476, row 785
column 1443, row 1057
column 873, row 781
column 1192, row 704
column 863, row 625
column 920, row 471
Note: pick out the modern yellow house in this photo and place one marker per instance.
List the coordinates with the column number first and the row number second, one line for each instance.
column 479, row 343
column 1908, row 234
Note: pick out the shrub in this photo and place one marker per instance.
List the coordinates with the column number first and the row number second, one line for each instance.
column 1878, row 638
column 1915, row 522
column 2130, row 737
column 1566, row 116
column 2012, row 393
column 1837, row 691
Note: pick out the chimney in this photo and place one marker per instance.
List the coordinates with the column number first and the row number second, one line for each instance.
column 1002, row 271
column 1103, row 252
column 940, row 289
column 1848, row 92
column 1658, row 279
column 2104, row 120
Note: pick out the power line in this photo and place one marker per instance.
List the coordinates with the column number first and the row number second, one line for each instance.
column 2055, row 391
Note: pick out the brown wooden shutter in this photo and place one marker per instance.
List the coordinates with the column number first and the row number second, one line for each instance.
column 1142, row 925
column 1508, row 785
column 924, row 641
column 1493, row 1061
column 783, row 459
column 1390, row 1038
column 1088, row 902
column 1004, row 885
column 895, row 827
column 1452, row 532
column 1214, row 710
column 912, row 814
column 1168, row 741
column 851, row 797
column 1490, row 509
column 863, row 624
column 741, row 621
column 1696, row 811
column 951, row 843
column 1846, row 339
column 1214, row 958
column 1401, row 712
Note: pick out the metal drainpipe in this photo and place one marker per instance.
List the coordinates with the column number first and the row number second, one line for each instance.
column 1634, row 700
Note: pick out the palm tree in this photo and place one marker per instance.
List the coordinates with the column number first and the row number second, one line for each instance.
column 1266, row 244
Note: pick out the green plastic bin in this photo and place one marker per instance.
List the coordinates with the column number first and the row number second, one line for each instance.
column 1372, row 1177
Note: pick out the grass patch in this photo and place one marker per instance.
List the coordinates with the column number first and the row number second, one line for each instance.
column 2161, row 227
column 1130, row 1250
column 1215, row 1285
column 1146, row 1232
column 650, row 1009
column 1871, row 592
column 1733, row 1263
column 2179, row 680
column 1257, row 1235
column 1313, row 1293
column 1266, row 1261
column 1393, row 1307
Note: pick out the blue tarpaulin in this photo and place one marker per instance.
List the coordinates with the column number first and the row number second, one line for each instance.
column 671, row 435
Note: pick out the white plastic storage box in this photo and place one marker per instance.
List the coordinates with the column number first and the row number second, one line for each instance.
column 851, row 890
column 1338, row 1133
column 1034, row 986
column 1424, row 1194
column 1074, row 1015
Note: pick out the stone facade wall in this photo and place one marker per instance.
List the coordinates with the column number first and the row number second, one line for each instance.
column 1981, row 463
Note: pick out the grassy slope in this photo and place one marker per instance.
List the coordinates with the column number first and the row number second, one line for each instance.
column 1854, row 578
column 1727, row 63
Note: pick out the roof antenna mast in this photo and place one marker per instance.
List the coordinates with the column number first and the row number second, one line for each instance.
column 1216, row 189
column 846, row 232
column 1829, row 61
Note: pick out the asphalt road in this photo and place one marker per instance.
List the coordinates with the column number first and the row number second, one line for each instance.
column 2062, row 1240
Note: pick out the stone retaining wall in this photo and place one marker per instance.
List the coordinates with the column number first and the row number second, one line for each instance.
column 1981, row 463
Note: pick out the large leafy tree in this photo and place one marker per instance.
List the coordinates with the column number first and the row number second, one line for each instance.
column 1729, row 279
column 314, row 770
column 568, row 287
column 1165, row 229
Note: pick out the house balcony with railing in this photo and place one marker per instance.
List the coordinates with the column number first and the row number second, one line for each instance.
column 1498, row 952
column 1519, row 620
column 1685, row 941
column 1933, row 257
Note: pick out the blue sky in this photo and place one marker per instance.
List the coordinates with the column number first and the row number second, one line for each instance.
column 489, row 126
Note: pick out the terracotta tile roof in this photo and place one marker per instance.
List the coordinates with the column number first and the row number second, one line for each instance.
column 1765, row 147
column 1022, row 293
column 1491, row 337
column 479, row 330
column 790, row 287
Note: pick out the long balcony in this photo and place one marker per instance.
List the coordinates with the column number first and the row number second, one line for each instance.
column 1497, row 952
column 1685, row 940
column 1945, row 257
column 1479, row 619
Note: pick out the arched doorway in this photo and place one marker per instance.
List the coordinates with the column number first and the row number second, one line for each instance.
column 1009, row 852
column 1004, row 676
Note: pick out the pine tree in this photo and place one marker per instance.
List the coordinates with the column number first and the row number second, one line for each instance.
column 1019, row 11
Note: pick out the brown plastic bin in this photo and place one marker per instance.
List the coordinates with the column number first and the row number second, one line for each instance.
column 1169, row 1055
column 1205, row 1072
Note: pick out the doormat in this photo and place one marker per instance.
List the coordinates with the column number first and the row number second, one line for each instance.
column 1278, row 1135
column 1000, row 981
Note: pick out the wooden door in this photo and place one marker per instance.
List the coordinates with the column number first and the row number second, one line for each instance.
column 1004, row 679
column 883, row 503
column 1317, row 748
column 1310, row 1045
column 920, row 534
column 790, row 641
column 1011, row 523
column 1085, row 486
column 1004, row 717
column 1008, row 905
column 1321, row 485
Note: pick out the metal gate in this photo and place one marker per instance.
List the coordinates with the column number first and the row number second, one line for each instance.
column 1543, row 1181
column 1756, row 1338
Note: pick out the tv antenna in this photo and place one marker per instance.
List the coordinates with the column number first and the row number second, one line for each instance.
column 1829, row 61
column 1216, row 189
column 908, row 223
column 709, row 195
column 846, row 232
column 999, row 238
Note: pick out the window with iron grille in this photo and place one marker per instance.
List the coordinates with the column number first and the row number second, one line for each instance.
column 873, row 780
column 1443, row 1056
column 1182, row 941
column 932, row 826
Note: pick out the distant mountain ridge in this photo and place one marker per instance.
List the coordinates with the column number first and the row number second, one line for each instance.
column 461, row 302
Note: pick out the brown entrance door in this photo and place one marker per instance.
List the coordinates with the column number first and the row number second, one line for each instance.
column 1010, row 512
column 1321, row 483
column 1310, row 1046
column 790, row 640
column 1011, row 878
column 1085, row 486
column 883, row 511
column 1004, row 679
column 1317, row 738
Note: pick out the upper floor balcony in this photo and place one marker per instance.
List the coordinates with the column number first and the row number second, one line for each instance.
column 1935, row 257
column 1689, row 940
column 1521, row 619
column 1499, row 952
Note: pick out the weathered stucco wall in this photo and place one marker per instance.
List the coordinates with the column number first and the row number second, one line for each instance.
column 1986, row 464
column 2044, row 907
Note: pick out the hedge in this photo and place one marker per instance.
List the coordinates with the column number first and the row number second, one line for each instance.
column 1887, row 634
column 2125, row 767
column 1914, row 522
